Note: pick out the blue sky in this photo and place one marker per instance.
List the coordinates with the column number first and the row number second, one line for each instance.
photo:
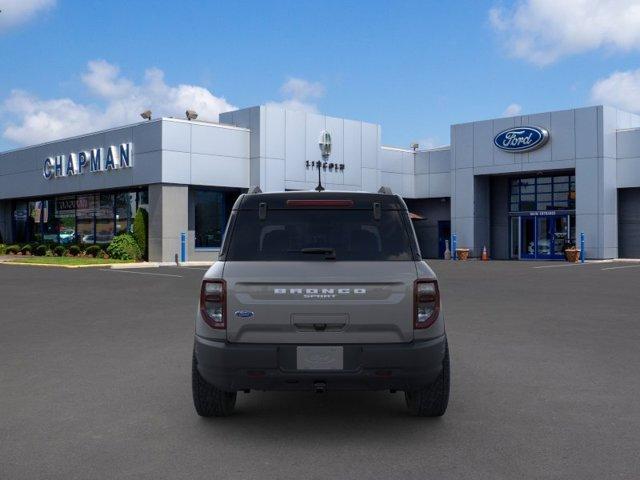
column 414, row 67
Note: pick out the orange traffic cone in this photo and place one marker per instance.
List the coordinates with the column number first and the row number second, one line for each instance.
column 485, row 255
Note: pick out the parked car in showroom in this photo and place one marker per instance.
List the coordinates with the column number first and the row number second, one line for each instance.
column 317, row 291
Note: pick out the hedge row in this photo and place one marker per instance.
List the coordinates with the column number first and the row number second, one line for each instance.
column 122, row 247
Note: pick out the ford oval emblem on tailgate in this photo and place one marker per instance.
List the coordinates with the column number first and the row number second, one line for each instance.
column 244, row 313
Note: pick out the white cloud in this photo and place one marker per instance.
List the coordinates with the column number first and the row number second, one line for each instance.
column 620, row 89
column 302, row 89
column 119, row 100
column 512, row 109
column 543, row 31
column 43, row 120
column 103, row 79
column 300, row 95
column 15, row 12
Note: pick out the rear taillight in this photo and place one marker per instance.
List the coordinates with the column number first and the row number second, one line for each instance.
column 426, row 303
column 213, row 295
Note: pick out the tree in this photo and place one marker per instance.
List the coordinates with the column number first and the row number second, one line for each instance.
column 140, row 227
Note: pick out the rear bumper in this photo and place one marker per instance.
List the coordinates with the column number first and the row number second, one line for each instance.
column 406, row 366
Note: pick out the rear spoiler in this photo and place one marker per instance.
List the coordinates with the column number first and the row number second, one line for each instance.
column 384, row 190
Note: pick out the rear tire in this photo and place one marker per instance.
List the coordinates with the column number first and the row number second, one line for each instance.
column 209, row 400
column 432, row 400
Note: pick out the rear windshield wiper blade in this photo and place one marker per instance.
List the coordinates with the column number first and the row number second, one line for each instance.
column 330, row 253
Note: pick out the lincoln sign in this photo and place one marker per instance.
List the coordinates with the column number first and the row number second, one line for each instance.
column 95, row 160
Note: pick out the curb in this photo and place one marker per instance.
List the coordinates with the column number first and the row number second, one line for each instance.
column 28, row 264
column 117, row 266
column 114, row 266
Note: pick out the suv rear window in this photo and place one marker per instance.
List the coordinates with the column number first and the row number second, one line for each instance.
column 288, row 235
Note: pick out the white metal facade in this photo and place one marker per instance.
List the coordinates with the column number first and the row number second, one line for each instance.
column 268, row 146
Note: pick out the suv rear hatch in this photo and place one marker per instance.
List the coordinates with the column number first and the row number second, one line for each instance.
column 320, row 270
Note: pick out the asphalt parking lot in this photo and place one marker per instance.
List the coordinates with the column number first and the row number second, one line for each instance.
column 95, row 384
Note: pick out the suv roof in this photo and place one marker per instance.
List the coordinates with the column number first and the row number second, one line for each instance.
column 278, row 200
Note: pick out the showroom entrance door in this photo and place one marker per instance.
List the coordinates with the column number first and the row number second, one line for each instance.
column 541, row 236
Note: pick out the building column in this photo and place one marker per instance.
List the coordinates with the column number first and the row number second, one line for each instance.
column 168, row 217
column 470, row 207
column 481, row 214
column 597, row 206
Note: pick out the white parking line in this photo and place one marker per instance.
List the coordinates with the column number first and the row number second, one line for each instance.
column 623, row 266
column 141, row 273
column 561, row 265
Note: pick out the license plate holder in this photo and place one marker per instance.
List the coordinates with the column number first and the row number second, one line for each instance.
column 319, row 357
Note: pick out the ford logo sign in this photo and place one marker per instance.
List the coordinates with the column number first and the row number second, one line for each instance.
column 521, row 139
column 244, row 313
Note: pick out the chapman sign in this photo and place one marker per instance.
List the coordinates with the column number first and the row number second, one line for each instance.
column 94, row 160
column 521, row 139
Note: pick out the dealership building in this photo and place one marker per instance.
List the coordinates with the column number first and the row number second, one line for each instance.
column 522, row 186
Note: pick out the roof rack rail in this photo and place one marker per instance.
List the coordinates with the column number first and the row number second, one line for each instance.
column 385, row 190
column 254, row 189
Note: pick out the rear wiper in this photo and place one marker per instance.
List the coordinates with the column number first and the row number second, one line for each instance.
column 330, row 253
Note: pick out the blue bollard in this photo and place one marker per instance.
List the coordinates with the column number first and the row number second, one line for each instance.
column 183, row 247
column 454, row 246
column 582, row 247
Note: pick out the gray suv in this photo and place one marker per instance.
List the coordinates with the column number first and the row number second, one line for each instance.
column 318, row 291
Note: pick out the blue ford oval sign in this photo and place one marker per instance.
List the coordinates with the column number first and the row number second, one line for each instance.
column 521, row 139
column 244, row 313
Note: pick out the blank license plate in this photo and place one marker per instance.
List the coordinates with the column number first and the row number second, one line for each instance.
column 320, row 358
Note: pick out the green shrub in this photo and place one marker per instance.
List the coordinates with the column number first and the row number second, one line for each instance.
column 74, row 250
column 12, row 249
column 140, row 228
column 59, row 251
column 3, row 248
column 94, row 250
column 40, row 251
column 124, row 247
column 26, row 250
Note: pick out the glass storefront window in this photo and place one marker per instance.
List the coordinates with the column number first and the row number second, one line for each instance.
column 105, row 228
column 86, row 218
column 527, row 202
column 125, row 211
column 49, row 222
column 542, row 193
column 209, row 218
column 143, row 197
column 20, row 216
column 85, row 221
column 34, row 219
column 66, row 218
